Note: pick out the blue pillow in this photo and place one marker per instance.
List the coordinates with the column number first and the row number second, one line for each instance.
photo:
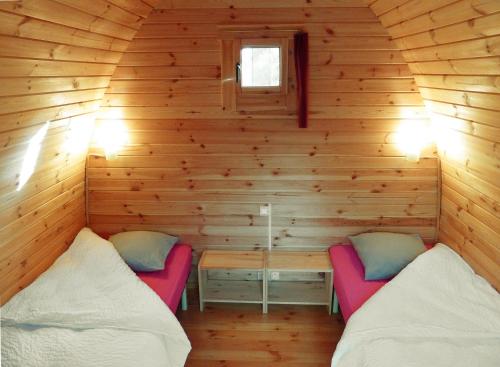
column 385, row 254
column 143, row 250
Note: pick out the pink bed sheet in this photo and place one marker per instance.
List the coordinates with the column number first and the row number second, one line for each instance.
column 170, row 282
column 349, row 279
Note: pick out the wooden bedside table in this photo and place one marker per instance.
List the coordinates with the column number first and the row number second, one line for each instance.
column 232, row 291
column 261, row 289
column 299, row 292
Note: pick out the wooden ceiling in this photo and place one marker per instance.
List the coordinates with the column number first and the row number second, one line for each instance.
column 453, row 49
column 57, row 58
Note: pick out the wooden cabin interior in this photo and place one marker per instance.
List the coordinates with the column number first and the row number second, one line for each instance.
column 134, row 115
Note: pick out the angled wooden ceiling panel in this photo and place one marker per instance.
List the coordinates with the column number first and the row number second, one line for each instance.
column 453, row 49
column 56, row 61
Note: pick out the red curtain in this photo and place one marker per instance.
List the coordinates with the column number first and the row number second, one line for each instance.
column 301, row 50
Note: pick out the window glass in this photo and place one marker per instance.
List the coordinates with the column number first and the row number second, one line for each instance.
column 260, row 66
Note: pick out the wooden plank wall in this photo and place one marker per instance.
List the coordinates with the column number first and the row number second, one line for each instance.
column 453, row 49
column 194, row 170
column 56, row 60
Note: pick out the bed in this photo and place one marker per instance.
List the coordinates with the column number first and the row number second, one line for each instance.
column 435, row 312
column 90, row 309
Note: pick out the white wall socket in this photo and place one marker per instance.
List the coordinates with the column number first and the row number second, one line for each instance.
column 264, row 210
column 275, row 275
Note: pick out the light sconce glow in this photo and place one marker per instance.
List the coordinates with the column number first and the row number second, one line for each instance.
column 411, row 138
column 79, row 135
column 111, row 136
column 449, row 141
column 31, row 156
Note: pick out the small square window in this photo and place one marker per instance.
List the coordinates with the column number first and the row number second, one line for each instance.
column 260, row 66
column 255, row 71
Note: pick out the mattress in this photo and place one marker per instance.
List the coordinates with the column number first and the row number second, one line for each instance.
column 169, row 283
column 349, row 279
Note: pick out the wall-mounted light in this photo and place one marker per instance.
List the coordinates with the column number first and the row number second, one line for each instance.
column 411, row 137
column 111, row 136
column 79, row 134
column 31, row 156
column 449, row 141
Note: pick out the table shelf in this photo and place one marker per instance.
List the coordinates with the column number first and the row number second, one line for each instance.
column 234, row 291
column 297, row 293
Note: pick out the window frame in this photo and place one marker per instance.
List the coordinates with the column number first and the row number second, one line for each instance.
column 258, row 100
column 280, row 43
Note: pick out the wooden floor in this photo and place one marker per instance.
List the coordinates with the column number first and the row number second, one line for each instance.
column 226, row 335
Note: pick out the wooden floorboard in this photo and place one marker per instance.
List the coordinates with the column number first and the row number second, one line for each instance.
column 227, row 335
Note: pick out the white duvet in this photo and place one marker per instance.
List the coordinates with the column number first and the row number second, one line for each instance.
column 436, row 312
column 90, row 309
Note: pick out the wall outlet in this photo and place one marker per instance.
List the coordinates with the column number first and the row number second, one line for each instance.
column 264, row 210
column 275, row 275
